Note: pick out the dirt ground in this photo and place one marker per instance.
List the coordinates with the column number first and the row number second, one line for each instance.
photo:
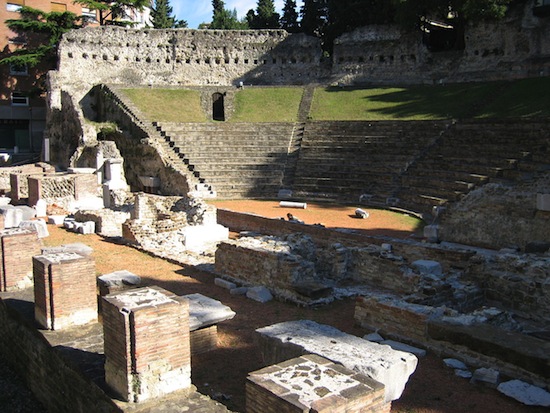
column 222, row 373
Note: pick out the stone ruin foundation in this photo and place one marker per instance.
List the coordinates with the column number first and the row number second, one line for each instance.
column 64, row 290
column 313, row 384
column 147, row 346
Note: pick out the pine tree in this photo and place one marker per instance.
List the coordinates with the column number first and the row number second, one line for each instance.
column 113, row 12
column 314, row 15
column 266, row 18
column 225, row 19
column 42, row 31
column 289, row 19
column 161, row 15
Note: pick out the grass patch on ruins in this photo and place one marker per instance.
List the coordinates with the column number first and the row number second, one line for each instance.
column 168, row 105
column 278, row 104
column 521, row 98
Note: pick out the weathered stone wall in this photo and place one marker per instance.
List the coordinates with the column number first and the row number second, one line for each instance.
column 62, row 188
column 48, row 375
column 188, row 57
column 518, row 47
column 481, row 345
column 498, row 216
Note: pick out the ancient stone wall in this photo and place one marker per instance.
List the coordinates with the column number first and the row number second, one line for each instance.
column 516, row 47
column 48, row 375
column 188, row 57
column 62, row 188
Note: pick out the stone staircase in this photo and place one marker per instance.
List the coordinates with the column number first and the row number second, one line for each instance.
column 343, row 161
column 471, row 154
column 237, row 160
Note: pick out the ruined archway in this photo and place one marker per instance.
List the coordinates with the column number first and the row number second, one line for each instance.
column 218, row 106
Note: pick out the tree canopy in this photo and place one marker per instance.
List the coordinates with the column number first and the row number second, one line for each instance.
column 161, row 16
column 42, row 32
column 225, row 19
column 265, row 16
column 113, row 12
column 289, row 19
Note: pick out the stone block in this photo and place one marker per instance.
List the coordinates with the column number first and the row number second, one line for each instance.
column 40, row 208
column 428, row 267
column 238, row 291
column 381, row 363
column 205, row 311
column 12, row 216
column 312, row 384
column 56, row 219
column 76, row 247
column 228, row 285
column 418, row 352
column 284, row 194
column 37, row 225
column 489, row 377
column 198, row 237
column 117, row 281
column 431, row 233
column 260, row 294
column 525, row 393
column 86, row 228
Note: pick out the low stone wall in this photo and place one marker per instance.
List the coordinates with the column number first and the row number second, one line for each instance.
column 55, row 384
column 279, row 272
column 481, row 345
column 62, row 188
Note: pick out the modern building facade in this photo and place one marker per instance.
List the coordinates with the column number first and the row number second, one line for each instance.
column 22, row 96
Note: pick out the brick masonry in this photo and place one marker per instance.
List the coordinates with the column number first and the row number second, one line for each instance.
column 147, row 345
column 64, row 290
column 313, row 384
column 18, row 246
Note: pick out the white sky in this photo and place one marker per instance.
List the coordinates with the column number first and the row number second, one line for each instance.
column 197, row 12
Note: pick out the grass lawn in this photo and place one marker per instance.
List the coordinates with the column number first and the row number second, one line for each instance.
column 168, row 105
column 520, row 98
column 273, row 104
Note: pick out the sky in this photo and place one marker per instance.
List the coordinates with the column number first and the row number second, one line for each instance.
column 197, row 12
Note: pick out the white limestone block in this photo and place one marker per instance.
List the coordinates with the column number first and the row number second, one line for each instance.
column 238, row 291
column 119, row 278
column 205, row 311
column 37, row 225
column 431, row 233
column 260, row 294
column 12, row 216
column 198, row 237
column 361, row 213
column 228, row 285
column 290, row 204
column 40, row 208
column 390, row 367
column 87, row 227
column 455, row 364
column 418, row 352
column 525, row 393
column 428, row 267
column 76, row 248
column 374, row 337
column 486, row 376
column 4, row 200
column 56, row 219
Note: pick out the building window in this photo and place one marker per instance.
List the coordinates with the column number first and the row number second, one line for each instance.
column 18, row 70
column 89, row 15
column 19, row 99
column 15, row 5
column 59, row 7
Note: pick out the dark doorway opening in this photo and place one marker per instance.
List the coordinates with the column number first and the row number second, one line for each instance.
column 218, row 109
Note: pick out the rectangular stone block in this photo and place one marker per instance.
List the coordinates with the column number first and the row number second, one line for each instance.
column 381, row 363
column 312, row 384
column 147, row 345
column 64, row 290
column 18, row 246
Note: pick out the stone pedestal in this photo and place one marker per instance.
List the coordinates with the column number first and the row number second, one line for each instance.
column 64, row 290
column 313, row 384
column 146, row 339
column 17, row 247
